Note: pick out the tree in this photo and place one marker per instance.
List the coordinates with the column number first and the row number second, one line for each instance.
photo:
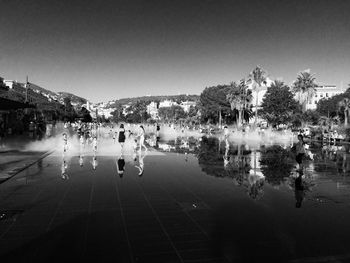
column 69, row 112
column 257, row 77
column 117, row 114
column 213, row 103
column 329, row 107
column 165, row 113
column 240, row 98
column 137, row 112
column 278, row 105
column 85, row 115
column 304, row 87
column 311, row 116
column 276, row 164
column 175, row 112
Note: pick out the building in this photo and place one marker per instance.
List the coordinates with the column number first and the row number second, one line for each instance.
column 323, row 92
column 167, row 103
column 261, row 92
column 186, row 105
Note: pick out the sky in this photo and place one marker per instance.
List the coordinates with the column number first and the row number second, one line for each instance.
column 104, row 50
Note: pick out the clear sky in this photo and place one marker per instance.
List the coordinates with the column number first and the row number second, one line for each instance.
column 104, row 50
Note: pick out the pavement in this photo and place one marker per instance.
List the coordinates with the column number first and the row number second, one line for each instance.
column 14, row 158
column 15, row 161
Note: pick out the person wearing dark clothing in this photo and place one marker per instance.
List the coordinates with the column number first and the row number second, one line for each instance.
column 121, row 136
column 120, row 166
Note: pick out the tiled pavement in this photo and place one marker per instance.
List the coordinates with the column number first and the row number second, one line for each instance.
column 96, row 214
column 173, row 213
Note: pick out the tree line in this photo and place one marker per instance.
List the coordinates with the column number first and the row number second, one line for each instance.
column 233, row 104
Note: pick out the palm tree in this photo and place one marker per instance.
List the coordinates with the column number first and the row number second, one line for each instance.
column 239, row 98
column 257, row 77
column 305, row 87
column 345, row 105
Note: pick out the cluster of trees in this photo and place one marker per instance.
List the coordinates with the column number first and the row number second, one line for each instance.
column 71, row 114
column 282, row 104
column 148, row 99
column 234, row 102
column 136, row 111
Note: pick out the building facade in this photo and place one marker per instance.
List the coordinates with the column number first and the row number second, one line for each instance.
column 186, row 105
column 323, row 92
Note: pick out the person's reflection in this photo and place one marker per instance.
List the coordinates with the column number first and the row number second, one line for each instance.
column 226, row 157
column 94, row 162
column 299, row 190
column 141, row 163
column 81, row 160
column 64, row 168
column 120, row 165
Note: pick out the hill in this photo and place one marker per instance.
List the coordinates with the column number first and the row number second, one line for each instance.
column 59, row 96
column 73, row 98
column 178, row 98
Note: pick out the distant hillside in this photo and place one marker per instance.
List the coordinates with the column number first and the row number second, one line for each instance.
column 178, row 98
column 73, row 98
column 59, row 96
column 41, row 90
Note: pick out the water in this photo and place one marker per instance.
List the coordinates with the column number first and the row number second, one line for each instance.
column 188, row 197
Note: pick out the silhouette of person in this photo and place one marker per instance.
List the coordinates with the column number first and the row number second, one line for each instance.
column 142, row 137
column 300, row 151
column 94, row 145
column 120, row 165
column 121, row 136
column 299, row 190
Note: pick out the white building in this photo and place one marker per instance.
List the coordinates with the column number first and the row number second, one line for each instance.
column 323, row 92
column 261, row 92
column 186, row 105
column 167, row 103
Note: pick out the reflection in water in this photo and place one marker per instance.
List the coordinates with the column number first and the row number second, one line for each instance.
column 227, row 148
column 337, row 155
column 120, row 165
column 299, row 190
column 233, row 161
column 64, row 168
column 141, row 163
column 302, row 184
column 81, row 161
column 276, row 163
column 94, row 162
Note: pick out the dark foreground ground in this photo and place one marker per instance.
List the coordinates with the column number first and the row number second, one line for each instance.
column 179, row 210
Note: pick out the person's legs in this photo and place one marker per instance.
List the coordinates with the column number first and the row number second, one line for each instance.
column 142, row 143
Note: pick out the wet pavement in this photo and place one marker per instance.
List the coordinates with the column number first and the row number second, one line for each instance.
column 196, row 201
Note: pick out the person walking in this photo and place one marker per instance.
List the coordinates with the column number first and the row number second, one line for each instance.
column 121, row 136
column 142, row 138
